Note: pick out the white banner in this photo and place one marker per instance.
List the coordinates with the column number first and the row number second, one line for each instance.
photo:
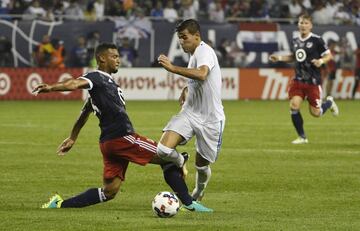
column 158, row 84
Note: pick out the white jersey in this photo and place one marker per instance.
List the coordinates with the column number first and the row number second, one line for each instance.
column 203, row 102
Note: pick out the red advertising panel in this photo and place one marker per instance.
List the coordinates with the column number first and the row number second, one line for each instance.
column 17, row 83
column 270, row 83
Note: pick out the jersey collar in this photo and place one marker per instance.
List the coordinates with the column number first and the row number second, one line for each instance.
column 104, row 73
column 303, row 39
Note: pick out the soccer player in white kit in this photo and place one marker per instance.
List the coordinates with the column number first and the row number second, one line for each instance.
column 202, row 113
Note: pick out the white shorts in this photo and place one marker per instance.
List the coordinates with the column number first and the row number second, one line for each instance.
column 208, row 136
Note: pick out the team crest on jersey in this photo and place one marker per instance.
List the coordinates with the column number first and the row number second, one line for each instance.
column 300, row 55
column 309, row 44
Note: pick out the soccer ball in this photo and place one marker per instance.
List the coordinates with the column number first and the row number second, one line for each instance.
column 165, row 204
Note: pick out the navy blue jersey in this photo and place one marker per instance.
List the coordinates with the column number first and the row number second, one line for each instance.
column 109, row 105
column 305, row 50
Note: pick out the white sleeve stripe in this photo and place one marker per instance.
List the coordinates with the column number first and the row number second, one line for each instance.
column 325, row 53
column 89, row 81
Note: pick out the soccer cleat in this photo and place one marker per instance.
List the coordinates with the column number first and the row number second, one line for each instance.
column 300, row 140
column 54, row 202
column 196, row 207
column 334, row 108
column 183, row 168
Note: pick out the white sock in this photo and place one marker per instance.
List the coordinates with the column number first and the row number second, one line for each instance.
column 170, row 154
column 203, row 175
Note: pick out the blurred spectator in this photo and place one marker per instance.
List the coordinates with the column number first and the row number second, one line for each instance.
column 236, row 56
column 90, row 13
column 296, row 8
column 217, row 52
column 239, row 9
column 333, row 6
column 79, row 54
column 59, row 10
column 6, row 56
column 58, row 55
column 99, row 9
column 114, row 8
column 355, row 15
column 129, row 6
column 34, row 11
column 347, row 59
column 127, row 53
column 257, row 9
column 189, row 9
column 319, row 15
column 5, row 8
column 74, row 11
column 216, row 13
column 42, row 53
column 357, row 73
column 331, row 67
column 341, row 16
column 169, row 12
column 224, row 48
column 158, row 11
column 93, row 40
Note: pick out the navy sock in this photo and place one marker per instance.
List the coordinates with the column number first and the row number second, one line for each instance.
column 326, row 105
column 298, row 122
column 173, row 177
column 89, row 197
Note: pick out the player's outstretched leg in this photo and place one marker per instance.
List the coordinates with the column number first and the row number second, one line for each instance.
column 87, row 198
column 203, row 175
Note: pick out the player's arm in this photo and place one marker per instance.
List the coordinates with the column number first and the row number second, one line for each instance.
column 323, row 60
column 67, row 85
column 281, row 58
column 199, row 73
column 67, row 144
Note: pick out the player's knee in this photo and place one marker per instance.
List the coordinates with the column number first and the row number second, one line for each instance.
column 163, row 151
column 294, row 106
column 315, row 113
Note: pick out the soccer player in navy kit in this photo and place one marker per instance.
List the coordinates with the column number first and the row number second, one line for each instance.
column 119, row 143
column 309, row 53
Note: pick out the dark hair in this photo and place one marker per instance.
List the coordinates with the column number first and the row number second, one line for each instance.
column 190, row 24
column 103, row 47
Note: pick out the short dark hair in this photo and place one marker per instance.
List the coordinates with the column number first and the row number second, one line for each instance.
column 190, row 24
column 103, row 47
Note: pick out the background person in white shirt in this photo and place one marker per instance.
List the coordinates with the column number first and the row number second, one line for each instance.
column 202, row 113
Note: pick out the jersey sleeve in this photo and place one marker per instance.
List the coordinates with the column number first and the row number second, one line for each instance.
column 205, row 57
column 322, row 47
column 92, row 79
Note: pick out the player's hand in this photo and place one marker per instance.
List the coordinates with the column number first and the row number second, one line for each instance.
column 317, row 62
column 41, row 88
column 274, row 58
column 183, row 96
column 65, row 146
column 165, row 62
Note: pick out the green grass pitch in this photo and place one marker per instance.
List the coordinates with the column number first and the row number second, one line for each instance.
column 260, row 181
